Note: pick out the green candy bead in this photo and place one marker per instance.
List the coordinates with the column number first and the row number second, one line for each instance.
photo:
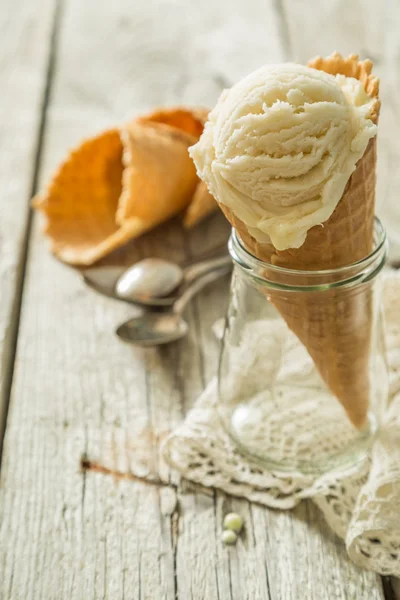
column 234, row 522
column 229, row 537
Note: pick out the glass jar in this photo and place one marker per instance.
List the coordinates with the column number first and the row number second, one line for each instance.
column 302, row 375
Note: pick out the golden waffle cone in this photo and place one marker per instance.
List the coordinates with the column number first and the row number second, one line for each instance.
column 111, row 190
column 80, row 202
column 159, row 177
column 107, row 193
column 189, row 120
column 201, row 205
column 334, row 327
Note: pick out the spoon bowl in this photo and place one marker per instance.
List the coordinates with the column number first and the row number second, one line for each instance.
column 150, row 278
column 102, row 279
column 154, row 283
column 153, row 329
column 156, row 329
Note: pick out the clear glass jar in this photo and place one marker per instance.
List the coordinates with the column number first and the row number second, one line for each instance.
column 302, row 374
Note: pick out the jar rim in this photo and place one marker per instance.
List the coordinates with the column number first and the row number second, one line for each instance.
column 363, row 269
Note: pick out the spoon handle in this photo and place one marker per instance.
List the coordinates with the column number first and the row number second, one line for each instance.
column 198, row 285
column 202, row 267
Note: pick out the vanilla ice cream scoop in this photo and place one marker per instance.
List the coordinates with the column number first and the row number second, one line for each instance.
column 280, row 146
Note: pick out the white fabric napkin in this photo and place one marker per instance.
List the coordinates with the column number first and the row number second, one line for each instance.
column 361, row 504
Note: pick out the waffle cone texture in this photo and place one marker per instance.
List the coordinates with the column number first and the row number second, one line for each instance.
column 118, row 185
column 335, row 325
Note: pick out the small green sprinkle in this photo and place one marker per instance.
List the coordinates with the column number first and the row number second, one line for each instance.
column 229, row 537
column 234, row 522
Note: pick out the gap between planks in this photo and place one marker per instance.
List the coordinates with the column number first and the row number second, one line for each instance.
column 11, row 338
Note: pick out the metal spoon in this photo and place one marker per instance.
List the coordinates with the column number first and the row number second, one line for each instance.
column 155, row 328
column 104, row 279
column 151, row 282
column 149, row 278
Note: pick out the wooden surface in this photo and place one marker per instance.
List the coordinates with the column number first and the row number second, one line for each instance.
column 88, row 510
column 25, row 40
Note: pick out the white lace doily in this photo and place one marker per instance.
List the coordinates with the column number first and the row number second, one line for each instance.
column 362, row 504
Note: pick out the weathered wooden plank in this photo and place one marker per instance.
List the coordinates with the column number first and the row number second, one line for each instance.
column 25, row 39
column 369, row 29
column 79, row 393
column 80, row 535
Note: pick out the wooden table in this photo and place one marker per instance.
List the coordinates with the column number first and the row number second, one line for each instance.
column 88, row 510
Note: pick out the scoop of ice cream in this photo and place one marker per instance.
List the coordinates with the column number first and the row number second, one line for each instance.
column 280, row 146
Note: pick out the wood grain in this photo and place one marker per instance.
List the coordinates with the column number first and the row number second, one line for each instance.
column 369, row 29
column 278, row 555
column 79, row 394
column 25, row 40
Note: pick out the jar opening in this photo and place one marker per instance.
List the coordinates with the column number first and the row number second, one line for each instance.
column 293, row 279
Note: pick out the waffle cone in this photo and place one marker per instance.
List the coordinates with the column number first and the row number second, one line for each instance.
column 159, row 177
column 335, row 326
column 201, row 205
column 116, row 186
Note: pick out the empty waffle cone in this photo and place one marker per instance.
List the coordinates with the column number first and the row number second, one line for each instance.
column 81, row 200
column 201, row 205
column 334, row 327
column 122, row 183
column 190, row 121
column 159, row 176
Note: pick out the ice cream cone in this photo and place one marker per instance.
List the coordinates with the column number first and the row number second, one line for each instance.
column 201, row 205
column 107, row 193
column 159, row 177
column 116, row 186
column 334, row 327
